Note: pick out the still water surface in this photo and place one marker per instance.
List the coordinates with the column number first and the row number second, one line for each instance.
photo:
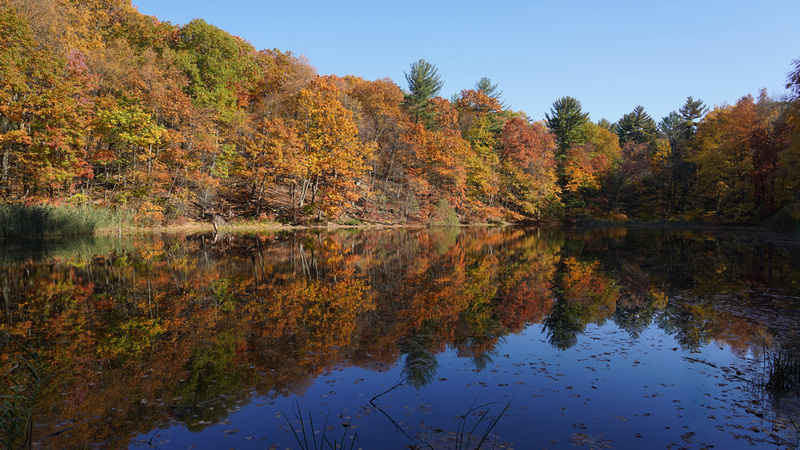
column 600, row 338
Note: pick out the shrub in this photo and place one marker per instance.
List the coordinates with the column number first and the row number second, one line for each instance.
column 444, row 215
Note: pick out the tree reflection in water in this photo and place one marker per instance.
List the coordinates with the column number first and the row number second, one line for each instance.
column 420, row 361
column 174, row 322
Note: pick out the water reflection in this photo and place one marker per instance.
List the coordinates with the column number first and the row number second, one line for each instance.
column 184, row 327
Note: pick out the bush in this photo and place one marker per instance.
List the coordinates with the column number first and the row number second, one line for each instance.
column 350, row 222
column 444, row 215
column 784, row 220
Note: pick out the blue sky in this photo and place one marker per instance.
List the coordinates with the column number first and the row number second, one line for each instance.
column 610, row 55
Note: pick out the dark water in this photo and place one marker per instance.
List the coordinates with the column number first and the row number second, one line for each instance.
column 601, row 338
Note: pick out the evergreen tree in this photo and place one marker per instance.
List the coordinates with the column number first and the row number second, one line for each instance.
column 637, row 127
column 607, row 125
column 566, row 121
column 670, row 127
column 491, row 90
column 424, row 83
column 691, row 113
column 680, row 128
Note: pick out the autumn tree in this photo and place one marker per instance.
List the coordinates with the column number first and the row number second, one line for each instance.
column 271, row 153
column 64, row 26
column 437, row 161
column 481, row 118
column 527, row 156
column 723, row 160
column 737, row 152
column 18, row 58
column 789, row 161
column 586, row 165
column 334, row 156
column 140, row 31
column 382, row 121
column 282, row 76
column 45, row 111
column 131, row 134
column 769, row 141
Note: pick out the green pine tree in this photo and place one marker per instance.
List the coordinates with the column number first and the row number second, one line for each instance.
column 424, row 83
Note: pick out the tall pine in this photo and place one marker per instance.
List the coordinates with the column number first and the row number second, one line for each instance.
column 424, row 83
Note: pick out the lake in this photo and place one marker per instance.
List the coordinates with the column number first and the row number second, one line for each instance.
column 412, row 338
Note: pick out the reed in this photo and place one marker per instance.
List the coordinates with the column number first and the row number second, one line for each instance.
column 17, row 220
column 25, row 377
column 465, row 439
column 306, row 434
column 782, row 370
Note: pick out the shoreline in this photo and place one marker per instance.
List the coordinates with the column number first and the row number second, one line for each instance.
column 244, row 227
column 194, row 226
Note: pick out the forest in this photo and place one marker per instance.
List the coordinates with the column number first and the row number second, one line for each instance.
column 103, row 107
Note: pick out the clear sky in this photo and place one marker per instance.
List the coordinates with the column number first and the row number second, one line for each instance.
column 610, row 55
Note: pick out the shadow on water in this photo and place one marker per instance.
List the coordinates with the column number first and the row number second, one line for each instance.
column 72, row 248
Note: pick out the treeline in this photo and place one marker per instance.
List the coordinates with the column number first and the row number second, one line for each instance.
column 102, row 105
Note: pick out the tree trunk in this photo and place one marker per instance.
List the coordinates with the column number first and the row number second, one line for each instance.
column 260, row 195
column 314, row 189
column 303, row 192
column 6, row 158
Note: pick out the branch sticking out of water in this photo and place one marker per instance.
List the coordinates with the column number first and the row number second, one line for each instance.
column 463, row 438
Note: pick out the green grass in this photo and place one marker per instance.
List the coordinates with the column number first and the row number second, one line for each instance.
column 47, row 220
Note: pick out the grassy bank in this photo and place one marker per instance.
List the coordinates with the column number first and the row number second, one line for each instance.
column 47, row 220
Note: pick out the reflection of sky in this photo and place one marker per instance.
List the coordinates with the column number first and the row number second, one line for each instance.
column 606, row 390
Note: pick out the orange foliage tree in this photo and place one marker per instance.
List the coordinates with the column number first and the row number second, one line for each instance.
column 334, row 157
column 527, row 156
